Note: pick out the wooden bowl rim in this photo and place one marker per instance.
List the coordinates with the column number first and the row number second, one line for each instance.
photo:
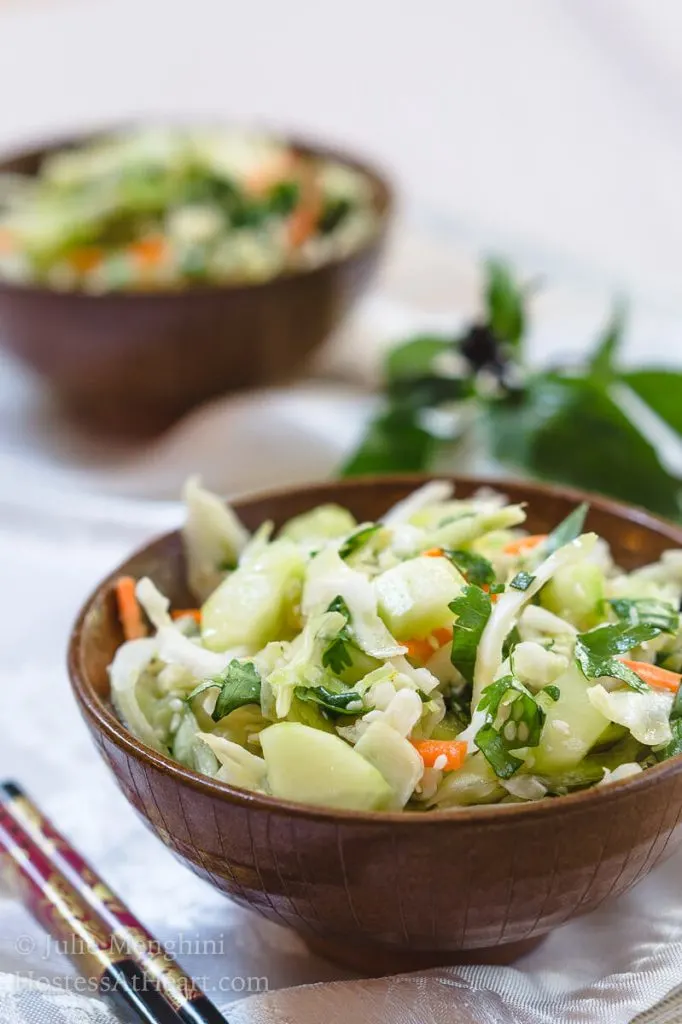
column 383, row 203
column 494, row 815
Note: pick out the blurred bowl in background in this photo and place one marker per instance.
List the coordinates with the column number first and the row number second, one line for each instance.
column 134, row 362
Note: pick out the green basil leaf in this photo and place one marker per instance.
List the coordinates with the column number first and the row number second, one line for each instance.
column 239, row 684
column 602, row 361
column 333, row 698
column 597, row 651
column 661, row 390
column 522, row 581
column 647, row 610
column 472, row 607
column 416, row 357
column 569, row 430
column 356, row 541
column 504, row 303
column 395, row 442
column 475, row 568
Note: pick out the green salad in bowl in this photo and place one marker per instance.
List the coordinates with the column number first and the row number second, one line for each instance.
column 151, row 209
column 439, row 658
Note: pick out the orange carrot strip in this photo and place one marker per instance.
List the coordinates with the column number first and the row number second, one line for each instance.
column 302, row 223
column 8, row 241
column 183, row 613
column 660, row 678
column 454, row 752
column 128, row 608
column 523, row 544
column 149, row 252
column 443, row 636
column 85, row 258
column 433, row 553
column 418, row 650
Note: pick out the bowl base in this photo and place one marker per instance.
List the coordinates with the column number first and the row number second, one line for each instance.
column 376, row 961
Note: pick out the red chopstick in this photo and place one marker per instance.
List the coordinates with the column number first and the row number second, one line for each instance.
column 104, row 939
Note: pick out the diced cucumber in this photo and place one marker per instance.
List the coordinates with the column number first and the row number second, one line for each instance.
column 571, row 728
column 474, row 783
column 575, row 593
column 413, row 597
column 393, row 756
column 313, row 767
column 323, row 523
column 251, row 606
column 310, row 714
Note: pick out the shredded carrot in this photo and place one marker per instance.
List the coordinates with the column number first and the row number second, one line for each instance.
column 433, row 553
column 660, row 678
column 443, row 636
column 418, row 650
column 302, row 224
column 454, row 752
column 149, row 252
column 85, row 258
column 183, row 613
column 8, row 242
column 523, row 544
column 128, row 608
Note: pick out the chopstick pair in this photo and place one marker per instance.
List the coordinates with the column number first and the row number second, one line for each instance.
column 100, row 935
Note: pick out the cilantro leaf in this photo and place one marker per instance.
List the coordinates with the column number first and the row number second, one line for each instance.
column 514, row 720
column 597, row 651
column 522, row 581
column 568, row 529
column 472, row 607
column 333, row 697
column 492, row 746
column 458, row 703
column 552, row 691
column 239, row 684
column 647, row 610
column 336, row 656
column 475, row 568
column 357, row 540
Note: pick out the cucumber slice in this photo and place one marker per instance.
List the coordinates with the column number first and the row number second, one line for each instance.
column 575, row 593
column 571, row 728
column 250, row 607
column 313, row 767
column 413, row 597
column 323, row 523
column 394, row 757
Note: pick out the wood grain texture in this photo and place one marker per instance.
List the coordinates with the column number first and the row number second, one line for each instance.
column 391, row 891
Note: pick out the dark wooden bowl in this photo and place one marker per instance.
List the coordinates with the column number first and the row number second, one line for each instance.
column 389, row 891
column 133, row 362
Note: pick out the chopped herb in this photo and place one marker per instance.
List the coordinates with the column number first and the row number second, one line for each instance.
column 458, row 703
column 567, row 530
column 357, row 540
column 334, row 213
column 647, row 610
column 496, row 753
column 597, row 651
column 472, row 608
column 496, row 588
column 675, row 746
column 552, row 691
column 283, row 197
column 336, row 656
column 239, row 684
column 333, row 697
column 522, row 581
column 228, row 565
column 475, row 568
column 511, row 640
column 514, row 720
